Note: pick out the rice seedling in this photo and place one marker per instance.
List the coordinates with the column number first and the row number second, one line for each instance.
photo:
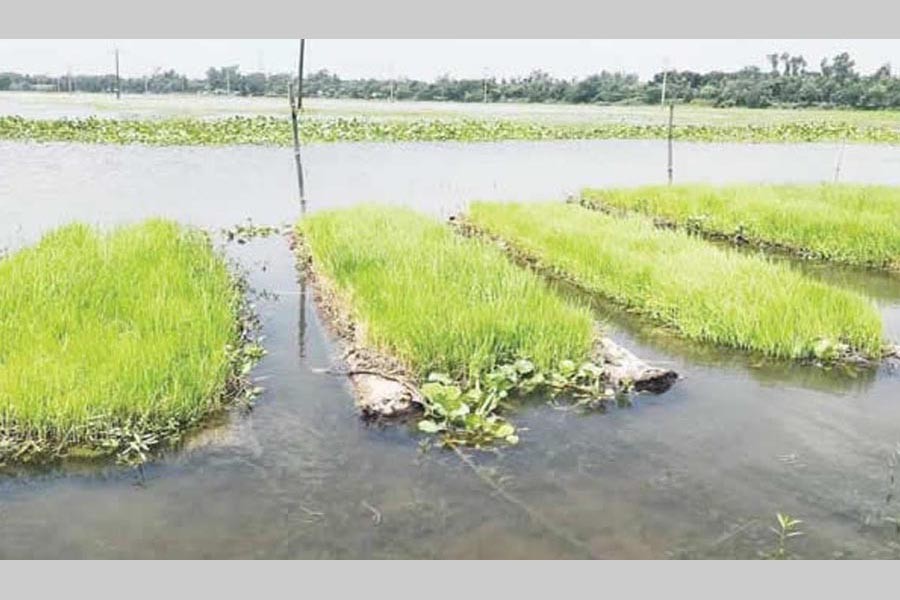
column 277, row 131
column 116, row 342
column 702, row 292
column 852, row 224
column 469, row 327
column 439, row 302
column 788, row 527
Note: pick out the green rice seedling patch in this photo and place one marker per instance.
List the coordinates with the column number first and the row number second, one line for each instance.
column 701, row 292
column 851, row 224
column 117, row 342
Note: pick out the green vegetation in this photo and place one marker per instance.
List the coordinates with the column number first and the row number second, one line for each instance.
column 702, row 292
column 276, row 131
column 788, row 527
column 112, row 343
column 852, row 224
column 468, row 326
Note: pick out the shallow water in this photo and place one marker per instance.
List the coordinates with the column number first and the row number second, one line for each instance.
column 697, row 472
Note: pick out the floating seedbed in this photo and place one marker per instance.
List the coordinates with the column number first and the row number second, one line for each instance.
column 114, row 343
column 446, row 322
column 699, row 291
column 850, row 224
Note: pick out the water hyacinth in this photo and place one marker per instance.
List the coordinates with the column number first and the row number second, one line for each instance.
column 317, row 129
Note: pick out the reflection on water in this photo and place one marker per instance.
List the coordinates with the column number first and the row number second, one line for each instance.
column 696, row 472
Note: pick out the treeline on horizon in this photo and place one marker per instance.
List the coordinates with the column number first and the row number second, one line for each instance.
column 787, row 82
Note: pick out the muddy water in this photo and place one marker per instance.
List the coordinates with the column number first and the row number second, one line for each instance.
column 697, row 472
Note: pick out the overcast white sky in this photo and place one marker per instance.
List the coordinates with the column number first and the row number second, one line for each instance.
column 427, row 59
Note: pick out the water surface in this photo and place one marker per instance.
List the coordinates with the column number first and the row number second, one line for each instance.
column 697, row 472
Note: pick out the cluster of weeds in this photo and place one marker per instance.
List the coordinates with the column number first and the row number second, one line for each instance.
column 469, row 414
column 244, row 232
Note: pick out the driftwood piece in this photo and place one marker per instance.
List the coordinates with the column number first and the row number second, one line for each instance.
column 892, row 355
column 379, row 394
column 624, row 368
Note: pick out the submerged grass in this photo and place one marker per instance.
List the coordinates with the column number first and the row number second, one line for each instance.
column 110, row 342
column 277, row 131
column 439, row 302
column 852, row 224
column 702, row 292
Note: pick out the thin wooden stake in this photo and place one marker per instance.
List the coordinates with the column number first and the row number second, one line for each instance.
column 118, row 85
column 294, row 123
column 300, row 75
column 840, row 160
column 662, row 100
column 671, row 119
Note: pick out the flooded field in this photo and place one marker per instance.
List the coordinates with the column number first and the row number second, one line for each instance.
column 697, row 472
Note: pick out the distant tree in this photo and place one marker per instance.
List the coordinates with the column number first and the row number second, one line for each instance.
column 842, row 67
column 786, row 61
column 883, row 72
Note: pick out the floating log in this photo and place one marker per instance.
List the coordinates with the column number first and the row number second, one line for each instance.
column 624, row 369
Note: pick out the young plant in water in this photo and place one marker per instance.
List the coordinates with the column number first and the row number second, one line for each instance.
column 788, row 527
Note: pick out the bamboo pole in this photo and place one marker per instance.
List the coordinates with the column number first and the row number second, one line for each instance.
column 118, row 85
column 300, row 74
column 671, row 119
column 295, row 109
column 662, row 101
column 839, row 162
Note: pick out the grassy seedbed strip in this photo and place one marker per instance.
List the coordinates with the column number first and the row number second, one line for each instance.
column 438, row 302
column 114, row 342
column 277, row 131
column 851, row 224
column 702, row 292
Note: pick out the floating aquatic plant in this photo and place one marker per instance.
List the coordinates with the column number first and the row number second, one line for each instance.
column 277, row 131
